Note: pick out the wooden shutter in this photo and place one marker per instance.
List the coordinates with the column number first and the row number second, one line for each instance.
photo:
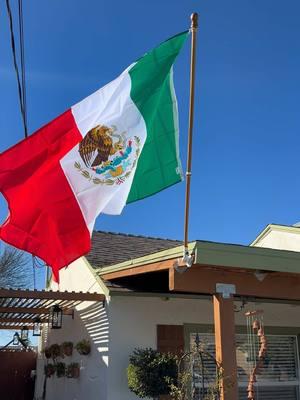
column 170, row 339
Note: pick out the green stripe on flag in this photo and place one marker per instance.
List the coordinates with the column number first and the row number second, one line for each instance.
column 153, row 93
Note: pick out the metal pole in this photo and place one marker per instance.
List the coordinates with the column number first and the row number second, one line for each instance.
column 194, row 26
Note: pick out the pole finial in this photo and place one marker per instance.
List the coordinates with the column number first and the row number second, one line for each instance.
column 194, row 20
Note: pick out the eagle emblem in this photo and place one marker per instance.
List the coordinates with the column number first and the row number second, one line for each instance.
column 108, row 156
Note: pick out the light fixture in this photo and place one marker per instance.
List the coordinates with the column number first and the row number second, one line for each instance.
column 37, row 327
column 24, row 333
column 15, row 339
column 56, row 317
column 260, row 275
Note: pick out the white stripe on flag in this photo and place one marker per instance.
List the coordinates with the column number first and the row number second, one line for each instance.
column 110, row 106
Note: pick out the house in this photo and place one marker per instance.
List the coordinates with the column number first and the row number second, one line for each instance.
column 150, row 304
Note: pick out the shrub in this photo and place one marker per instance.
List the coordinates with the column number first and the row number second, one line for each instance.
column 151, row 373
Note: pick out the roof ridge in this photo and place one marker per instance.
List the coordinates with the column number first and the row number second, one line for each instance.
column 136, row 236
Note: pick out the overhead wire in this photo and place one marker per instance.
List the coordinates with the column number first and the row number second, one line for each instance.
column 22, row 60
column 21, row 82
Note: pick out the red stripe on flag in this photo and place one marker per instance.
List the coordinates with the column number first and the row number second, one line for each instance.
column 45, row 218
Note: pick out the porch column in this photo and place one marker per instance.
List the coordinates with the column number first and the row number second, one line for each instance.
column 225, row 345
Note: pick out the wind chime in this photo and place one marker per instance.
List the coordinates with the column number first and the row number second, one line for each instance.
column 257, row 347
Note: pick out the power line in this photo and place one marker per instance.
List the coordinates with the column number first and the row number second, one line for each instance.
column 21, row 81
column 22, row 54
column 21, row 84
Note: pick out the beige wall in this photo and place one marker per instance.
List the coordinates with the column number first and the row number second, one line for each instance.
column 133, row 323
column 90, row 322
column 281, row 240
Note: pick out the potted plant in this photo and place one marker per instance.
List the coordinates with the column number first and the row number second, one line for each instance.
column 55, row 350
column 60, row 369
column 83, row 347
column 67, row 348
column 150, row 373
column 47, row 352
column 49, row 370
column 73, row 370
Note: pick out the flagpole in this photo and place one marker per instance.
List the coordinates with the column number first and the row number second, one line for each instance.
column 194, row 26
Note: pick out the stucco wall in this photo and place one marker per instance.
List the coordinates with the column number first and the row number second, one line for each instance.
column 281, row 240
column 133, row 322
column 90, row 322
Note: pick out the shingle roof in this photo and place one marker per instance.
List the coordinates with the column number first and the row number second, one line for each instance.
column 110, row 248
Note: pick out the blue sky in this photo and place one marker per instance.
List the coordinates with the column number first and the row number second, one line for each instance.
column 246, row 137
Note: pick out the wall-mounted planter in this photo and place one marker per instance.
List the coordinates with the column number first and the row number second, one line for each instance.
column 60, row 369
column 67, row 348
column 47, row 352
column 83, row 347
column 56, row 351
column 49, row 370
column 73, row 371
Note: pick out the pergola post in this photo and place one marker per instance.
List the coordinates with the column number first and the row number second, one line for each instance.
column 225, row 345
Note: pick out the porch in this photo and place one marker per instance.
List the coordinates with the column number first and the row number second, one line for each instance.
column 226, row 276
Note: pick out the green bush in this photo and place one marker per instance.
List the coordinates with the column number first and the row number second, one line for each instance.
column 151, row 373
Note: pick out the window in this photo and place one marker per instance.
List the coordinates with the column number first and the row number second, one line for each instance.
column 279, row 377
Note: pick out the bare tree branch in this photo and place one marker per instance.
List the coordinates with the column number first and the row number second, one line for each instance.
column 14, row 268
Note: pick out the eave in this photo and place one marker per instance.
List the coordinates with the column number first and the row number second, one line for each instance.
column 210, row 254
column 214, row 263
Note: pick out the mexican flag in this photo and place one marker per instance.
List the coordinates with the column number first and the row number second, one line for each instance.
column 116, row 146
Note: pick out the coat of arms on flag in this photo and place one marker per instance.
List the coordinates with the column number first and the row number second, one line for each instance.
column 109, row 156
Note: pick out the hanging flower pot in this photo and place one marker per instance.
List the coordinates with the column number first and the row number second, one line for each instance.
column 67, row 348
column 83, row 347
column 60, row 369
column 47, row 352
column 49, row 370
column 56, row 351
column 73, row 371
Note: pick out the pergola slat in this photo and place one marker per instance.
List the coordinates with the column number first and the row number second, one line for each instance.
column 19, row 321
column 18, row 307
column 31, row 310
column 52, row 295
column 15, row 327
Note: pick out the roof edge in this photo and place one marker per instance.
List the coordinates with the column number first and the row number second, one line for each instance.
column 162, row 255
column 98, row 279
column 220, row 255
column 274, row 227
column 247, row 257
column 261, row 235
